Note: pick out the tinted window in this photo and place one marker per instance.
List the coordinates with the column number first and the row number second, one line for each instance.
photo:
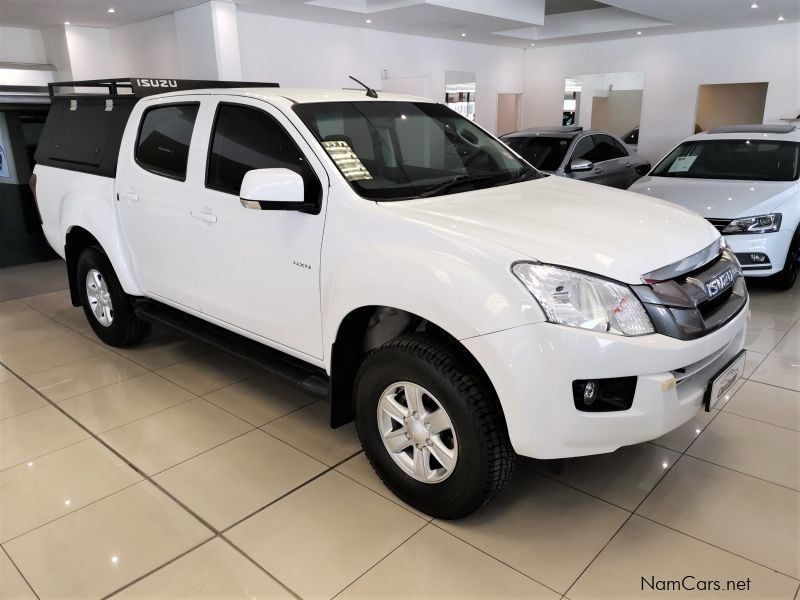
column 545, row 153
column 759, row 160
column 632, row 137
column 164, row 137
column 246, row 138
column 623, row 151
column 605, row 149
column 584, row 148
column 400, row 150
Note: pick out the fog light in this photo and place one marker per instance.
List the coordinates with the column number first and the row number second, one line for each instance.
column 590, row 392
column 604, row 395
column 757, row 257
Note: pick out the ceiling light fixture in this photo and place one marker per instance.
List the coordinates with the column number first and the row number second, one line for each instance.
column 66, row 22
column 463, row 35
column 638, row 33
column 780, row 18
column 368, row 21
column 754, row 5
column 111, row 10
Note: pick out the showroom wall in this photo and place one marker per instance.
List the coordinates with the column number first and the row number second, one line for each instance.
column 674, row 65
column 304, row 54
column 147, row 48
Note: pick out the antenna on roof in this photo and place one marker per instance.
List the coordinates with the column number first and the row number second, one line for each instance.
column 370, row 92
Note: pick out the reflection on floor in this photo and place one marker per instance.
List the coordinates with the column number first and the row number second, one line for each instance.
column 21, row 237
column 226, row 482
column 32, row 279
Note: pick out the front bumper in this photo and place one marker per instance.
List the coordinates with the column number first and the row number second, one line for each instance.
column 774, row 245
column 532, row 368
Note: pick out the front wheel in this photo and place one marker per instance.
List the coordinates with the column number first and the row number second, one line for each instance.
column 106, row 305
column 432, row 430
column 786, row 278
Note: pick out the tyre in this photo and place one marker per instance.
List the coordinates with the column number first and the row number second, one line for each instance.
column 786, row 278
column 432, row 430
column 107, row 307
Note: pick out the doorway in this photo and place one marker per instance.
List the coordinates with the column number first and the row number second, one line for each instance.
column 507, row 113
column 721, row 104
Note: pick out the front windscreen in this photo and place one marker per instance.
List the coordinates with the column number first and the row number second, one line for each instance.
column 545, row 153
column 757, row 160
column 401, row 150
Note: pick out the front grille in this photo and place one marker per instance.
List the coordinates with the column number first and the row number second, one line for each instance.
column 684, row 308
column 720, row 224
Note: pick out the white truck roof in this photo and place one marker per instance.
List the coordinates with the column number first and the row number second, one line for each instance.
column 298, row 95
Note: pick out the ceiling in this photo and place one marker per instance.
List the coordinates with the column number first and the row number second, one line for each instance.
column 515, row 23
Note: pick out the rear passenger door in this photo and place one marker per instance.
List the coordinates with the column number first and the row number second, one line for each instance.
column 584, row 149
column 258, row 270
column 153, row 199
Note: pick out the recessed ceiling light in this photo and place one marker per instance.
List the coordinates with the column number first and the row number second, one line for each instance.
column 533, row 44
column 66, row 22
column 368, row 21
column 638, row 33
column 463, row 35
column 780, row 18
column 754, row 5
column 111, row 10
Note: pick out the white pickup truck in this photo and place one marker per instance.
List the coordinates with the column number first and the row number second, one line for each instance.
column 460, row 306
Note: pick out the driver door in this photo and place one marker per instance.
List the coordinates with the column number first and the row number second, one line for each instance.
column 258, row 270
column 584, row 149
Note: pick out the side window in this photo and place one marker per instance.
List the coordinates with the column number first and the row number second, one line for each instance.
column 605, row 149
column 584, row 148
column 164, row 137
column 246, row 138
column 621, row 147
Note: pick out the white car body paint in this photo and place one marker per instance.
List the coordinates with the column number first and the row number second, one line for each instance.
column 288, row 279
column 730, row 199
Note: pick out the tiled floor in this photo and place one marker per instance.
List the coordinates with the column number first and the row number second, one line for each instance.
column 169, row 470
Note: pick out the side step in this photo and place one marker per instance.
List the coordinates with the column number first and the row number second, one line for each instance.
column 311, row 378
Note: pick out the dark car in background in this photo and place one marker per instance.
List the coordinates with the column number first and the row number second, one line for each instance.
column 592, row 155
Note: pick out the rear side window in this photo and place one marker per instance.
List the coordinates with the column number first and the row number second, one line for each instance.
column 246, row 138
column 164, row 138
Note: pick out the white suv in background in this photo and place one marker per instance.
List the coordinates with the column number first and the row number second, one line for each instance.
column 744, row 180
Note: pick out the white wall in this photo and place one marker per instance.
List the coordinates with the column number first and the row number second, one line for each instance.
column 23, row 45
column 146, row 49
column 20, row 44
column 304, row 54
column 674, row 66
column 89, row 52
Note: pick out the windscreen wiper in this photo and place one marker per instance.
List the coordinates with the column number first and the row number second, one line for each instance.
column 440, row 188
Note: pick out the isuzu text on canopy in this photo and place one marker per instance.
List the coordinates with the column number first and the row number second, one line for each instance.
column 460, row 306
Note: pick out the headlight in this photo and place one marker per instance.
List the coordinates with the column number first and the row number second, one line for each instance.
column 579, row 300
column 761, row 224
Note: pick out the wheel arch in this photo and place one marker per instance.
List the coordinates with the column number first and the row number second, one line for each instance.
column 367, row 327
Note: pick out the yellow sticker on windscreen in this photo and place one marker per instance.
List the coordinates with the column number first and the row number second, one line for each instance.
column 349, row 164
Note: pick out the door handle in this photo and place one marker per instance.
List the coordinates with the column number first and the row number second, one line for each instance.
column 129, row 196
column 204, row 216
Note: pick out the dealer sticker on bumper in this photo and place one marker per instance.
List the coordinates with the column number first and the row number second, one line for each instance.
column 723, row 381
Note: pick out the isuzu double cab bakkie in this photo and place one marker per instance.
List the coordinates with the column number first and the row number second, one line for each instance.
column 460, row 306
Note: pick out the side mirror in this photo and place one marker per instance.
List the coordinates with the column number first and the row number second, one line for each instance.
column 580, row 164
column 273, row 189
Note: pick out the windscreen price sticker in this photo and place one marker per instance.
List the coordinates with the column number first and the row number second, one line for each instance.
column 682, row 164
column 691, row 583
